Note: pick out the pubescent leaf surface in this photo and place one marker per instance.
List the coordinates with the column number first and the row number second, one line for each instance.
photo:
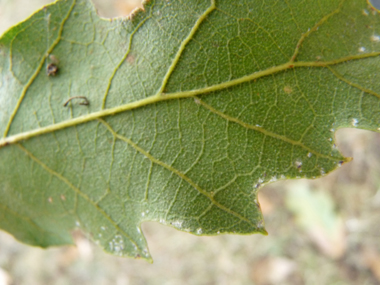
column 193, row 106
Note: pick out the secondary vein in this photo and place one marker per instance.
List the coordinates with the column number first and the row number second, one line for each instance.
column 78, row 192
column 340, row 77
column 175, row 171
column 35, row 74
column 122, row 60
column 315, row 28
column 184, row 44
column 265, row 132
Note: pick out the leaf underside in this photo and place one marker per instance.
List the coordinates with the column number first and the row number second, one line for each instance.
column 193, row 106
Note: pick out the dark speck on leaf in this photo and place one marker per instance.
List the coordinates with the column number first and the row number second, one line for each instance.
column 51, row 69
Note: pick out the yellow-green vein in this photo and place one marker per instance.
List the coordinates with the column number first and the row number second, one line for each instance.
column 184, row 44
column 265, row 132
column 176, row 95
column 340, row 77
column 28, row 220
column 35, row 74
column 122, row 60
column 78, row 192
column 313, row 29
column 178, row 173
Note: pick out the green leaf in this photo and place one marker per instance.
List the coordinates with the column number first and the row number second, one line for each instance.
column 193, row 106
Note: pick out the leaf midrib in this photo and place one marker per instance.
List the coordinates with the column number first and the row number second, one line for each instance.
column 159, row 97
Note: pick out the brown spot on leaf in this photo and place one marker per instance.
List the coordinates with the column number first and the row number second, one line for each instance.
column 130, row 59
column 288, row 89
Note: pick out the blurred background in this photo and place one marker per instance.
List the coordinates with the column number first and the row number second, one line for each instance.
column 324, row 231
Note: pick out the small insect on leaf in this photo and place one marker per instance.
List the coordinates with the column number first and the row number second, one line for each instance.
column 51, row 69
column 84, row 102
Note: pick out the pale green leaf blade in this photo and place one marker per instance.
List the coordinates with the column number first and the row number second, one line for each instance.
column 193, row 105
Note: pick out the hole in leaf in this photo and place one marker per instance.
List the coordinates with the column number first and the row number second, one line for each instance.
column 375, row 4
column 12, row 12
column 116, row 8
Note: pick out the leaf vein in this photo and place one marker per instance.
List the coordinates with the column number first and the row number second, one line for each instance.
column 122, row 60
column 265, row 132
column 177, row 95
column 183, row 45
column 27, row 219
column 313, row 29
column 35, row 74
column 78, row 192
column 175, row 171
column 341, row 77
